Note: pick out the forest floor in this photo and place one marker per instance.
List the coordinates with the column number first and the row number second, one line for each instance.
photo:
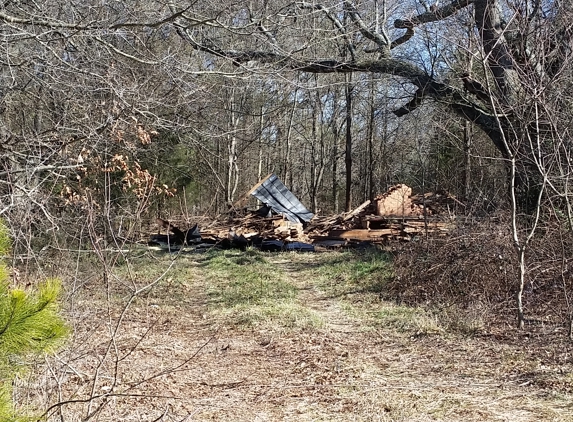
column 247, row 336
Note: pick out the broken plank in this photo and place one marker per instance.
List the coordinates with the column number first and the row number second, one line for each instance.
column 362, row 235
column 356, row 211
column 240, row 203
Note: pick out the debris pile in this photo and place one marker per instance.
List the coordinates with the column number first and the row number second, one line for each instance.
column 283, row 223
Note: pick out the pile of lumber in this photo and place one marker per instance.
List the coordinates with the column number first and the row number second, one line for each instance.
column 396, row 214
column 376, row 229
column 243, row 231
column 253, row 226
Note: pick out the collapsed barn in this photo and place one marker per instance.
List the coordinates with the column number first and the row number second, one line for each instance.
column 282, row 222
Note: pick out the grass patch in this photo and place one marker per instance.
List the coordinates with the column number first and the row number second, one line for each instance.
column 405, row 318
column 246, row 279
column 356, row 271
column 248, row 290
column 383, row 314
column 359, row 279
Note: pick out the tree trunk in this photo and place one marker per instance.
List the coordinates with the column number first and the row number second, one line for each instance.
column 499, row 58
column 288, row 143
column 466, row 179
column 260, row 161
column 348, row 149
column 521, row 288
column 335, row 186
column 232, row 167
column 370, row 138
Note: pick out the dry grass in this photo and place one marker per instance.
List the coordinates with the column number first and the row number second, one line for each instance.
column 185, row 350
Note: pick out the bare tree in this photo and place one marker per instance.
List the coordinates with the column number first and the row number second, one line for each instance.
column 505, row 46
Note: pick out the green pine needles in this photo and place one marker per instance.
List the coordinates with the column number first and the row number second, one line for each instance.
column 29, row 324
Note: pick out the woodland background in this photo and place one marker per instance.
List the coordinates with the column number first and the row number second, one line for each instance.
column 114, row 113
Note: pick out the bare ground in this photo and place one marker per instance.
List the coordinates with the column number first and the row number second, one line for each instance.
column 170, row 358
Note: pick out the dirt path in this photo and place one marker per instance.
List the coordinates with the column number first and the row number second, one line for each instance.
column 384, row 374
column 173, row 360
column 310, row 295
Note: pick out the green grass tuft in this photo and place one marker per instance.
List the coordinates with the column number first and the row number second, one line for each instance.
column 250, row 291
column 363, row 271
column 243, row 279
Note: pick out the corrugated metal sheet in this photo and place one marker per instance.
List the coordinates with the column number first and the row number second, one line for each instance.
column 275, row 194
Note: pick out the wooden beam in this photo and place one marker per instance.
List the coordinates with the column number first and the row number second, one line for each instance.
column 356, row 210
column 240, row 203
column 363, row 235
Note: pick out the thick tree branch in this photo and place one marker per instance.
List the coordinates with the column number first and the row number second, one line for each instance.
column 335, row 21
column 381, row 39
column 388, row 66
column 475, row 88
column 412, row 105
column 450, row 96
column 431, row 15
column 434, row 15
column 404, row 38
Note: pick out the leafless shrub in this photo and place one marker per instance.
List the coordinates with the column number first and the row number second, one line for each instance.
column 475, row 263
column 476, row 266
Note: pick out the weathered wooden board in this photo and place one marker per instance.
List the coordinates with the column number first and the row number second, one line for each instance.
column 242, row 201
column 362, row 235
column 356, row 210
